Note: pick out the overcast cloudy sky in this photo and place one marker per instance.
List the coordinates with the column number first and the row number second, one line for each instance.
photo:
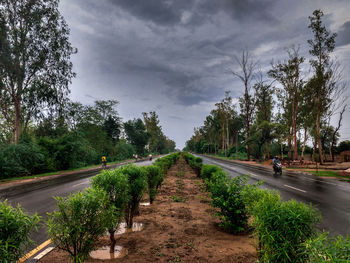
column 174, row 56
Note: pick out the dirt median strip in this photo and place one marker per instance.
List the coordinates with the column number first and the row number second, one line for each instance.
column 180, row 226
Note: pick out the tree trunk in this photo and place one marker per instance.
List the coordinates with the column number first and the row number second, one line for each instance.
column 314, row 151
column 281, row 150
column 268, row 150
column 223, row 139
column 236, row 145
column 318, row 137
column 304, row 143
column 289, row 148
column 295, row 130
column 17, row 129
column 113, row 241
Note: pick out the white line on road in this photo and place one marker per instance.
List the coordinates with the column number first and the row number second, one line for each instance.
column 253, row 175
column 46, row 251
column 78, row 184
column 295, row 188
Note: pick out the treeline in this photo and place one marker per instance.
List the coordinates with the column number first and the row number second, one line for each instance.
column 41, row 130
column 76, row 135
column 280, row 119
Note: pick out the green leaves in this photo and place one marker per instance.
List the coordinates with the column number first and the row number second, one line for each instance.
column 15, row 226
column 154, row 179
column 281, row 227
column 80, row 220
column 137, row 185
column 328, row 249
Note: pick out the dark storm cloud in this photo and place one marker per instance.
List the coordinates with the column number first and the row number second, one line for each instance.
column 160, row 12
column 343, row 37
column 240, row 9
column 175, row 56
column 170, row 12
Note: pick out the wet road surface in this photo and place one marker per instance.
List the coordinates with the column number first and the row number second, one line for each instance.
column 42, row 201
column 331, row 197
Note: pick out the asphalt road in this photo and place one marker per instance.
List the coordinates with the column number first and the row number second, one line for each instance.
column 41, row 201
column 331, row 197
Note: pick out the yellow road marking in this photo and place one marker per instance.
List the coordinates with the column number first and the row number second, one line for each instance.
column 34, row 251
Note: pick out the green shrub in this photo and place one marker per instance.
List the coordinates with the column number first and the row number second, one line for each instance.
column 124, row 150
column 138, row 184
column 154, row 179
column 15, row 226
column 194, row 162
column 166, row 162
column 282, row 227
column 227, row 195
column 80, row 220
column 116, row 185
column 323, row 249
column 208, row 169
column 21, row 159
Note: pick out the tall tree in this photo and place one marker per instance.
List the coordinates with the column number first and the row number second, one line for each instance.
column 322, row 44
column 136, row 134
column 247, row 102
column 288, row 74
column 264, row 106
column 157, row 138
column 35, row 66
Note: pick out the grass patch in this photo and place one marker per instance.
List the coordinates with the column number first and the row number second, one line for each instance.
column 177, row 199
column 180, row 174
column 180, row 184
column 327, row 173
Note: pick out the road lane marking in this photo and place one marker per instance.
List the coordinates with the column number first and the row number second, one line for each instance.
column 78, row 184
column 295, row 188
column 34, row 251
column 46, row 251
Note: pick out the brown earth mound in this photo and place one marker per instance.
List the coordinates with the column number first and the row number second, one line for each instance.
column 180, row 226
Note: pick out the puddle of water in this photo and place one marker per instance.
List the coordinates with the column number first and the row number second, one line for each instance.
column 145, row 203
column 135, row 227
column 103, row 253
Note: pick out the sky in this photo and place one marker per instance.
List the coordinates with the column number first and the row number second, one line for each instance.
column 175, row 57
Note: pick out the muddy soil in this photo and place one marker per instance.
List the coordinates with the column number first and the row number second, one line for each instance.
column 180, row 226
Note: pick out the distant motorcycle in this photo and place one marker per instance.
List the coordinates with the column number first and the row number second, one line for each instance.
column 277, row 168
column 150, row 157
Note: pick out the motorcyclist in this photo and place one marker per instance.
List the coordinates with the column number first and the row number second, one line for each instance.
column 150, row 157
column 276, row 165
column 275, row 160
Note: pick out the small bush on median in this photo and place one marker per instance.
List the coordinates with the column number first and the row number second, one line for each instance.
column 282, row 227
column 138, row 184
column 208, row 170
column 227, row 195
column 80, row 220
column 324, row 249
column 154, row 178
column 116, row 185
column 15, row 226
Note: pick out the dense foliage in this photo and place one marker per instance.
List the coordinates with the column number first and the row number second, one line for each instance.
column 328, row 249
column 76, row 141
column 116, row 185
column 137, row 186
column 80, row 220
column 15, row 226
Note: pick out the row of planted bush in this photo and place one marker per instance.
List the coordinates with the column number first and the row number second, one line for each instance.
column 286, row 230
column 83, row 217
